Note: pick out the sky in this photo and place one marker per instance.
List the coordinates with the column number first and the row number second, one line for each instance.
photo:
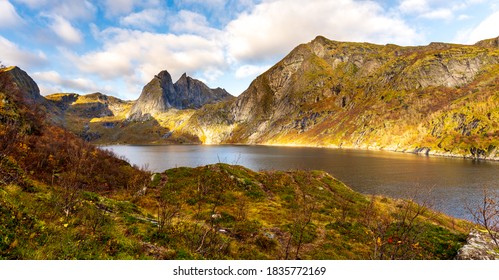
column 117, row 46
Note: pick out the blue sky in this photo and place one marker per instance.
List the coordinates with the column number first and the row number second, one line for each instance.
column 117, row 46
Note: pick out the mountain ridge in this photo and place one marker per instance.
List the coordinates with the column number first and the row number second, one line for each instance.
column 358, row 95
column 437, row 99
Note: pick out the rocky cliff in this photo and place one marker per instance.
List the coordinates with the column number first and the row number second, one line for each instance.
column 441, row 98
column 161, row 94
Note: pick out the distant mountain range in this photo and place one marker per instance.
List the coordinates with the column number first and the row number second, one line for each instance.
column 436, row 99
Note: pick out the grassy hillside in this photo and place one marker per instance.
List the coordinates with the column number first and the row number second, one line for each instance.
column 222, row 212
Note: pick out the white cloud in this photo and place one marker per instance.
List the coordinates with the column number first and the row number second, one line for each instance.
column 414, row 6
column 33, row 3
column 69, row 9
column 464, row 17
column 193, row 23
column 272, row 28
column 202, row 2
column 10, row 17
column 12, row 54
column 115, row 8
column 107, row 64
column 485, row 30
column 52, row 82
column 119, row 7
column 211, row 74
column 64, row 30
column 144, row 19
column 438, row 9
column 250, row 71
column 49, row 76
column 74, row 9
column 136, row 56
column 439, row 14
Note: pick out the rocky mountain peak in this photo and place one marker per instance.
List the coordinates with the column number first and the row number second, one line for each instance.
column 161, row 94
column 164, row 76
column 17, row 84
column 14, row 79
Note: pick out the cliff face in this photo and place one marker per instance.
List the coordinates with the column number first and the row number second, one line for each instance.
column 161, row 94
column 193, row 94
column 441, row 98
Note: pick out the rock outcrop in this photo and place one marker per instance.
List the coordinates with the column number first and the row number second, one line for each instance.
column 94, row 105
column 478, row 247
column 161, row 94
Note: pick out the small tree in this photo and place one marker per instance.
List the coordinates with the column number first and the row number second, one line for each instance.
column 2, row 66
column 169, row 206
column 302, row 210
column 487, row 214
column 396, row 235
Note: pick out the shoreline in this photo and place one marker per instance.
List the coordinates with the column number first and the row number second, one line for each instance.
column 424, row 151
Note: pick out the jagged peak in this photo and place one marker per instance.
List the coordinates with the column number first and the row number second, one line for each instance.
column 184, row 79
column 163, row 75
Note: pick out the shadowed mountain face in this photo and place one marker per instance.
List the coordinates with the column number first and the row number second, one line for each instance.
column 161, row 94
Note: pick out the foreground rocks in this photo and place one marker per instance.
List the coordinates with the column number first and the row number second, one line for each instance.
column 479, row 246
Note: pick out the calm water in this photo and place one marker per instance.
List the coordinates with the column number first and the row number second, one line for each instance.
column 448, row 183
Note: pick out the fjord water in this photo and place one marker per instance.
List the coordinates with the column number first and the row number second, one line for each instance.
column 447, row 184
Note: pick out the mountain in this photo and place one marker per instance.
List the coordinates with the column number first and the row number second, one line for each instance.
column 14, row 79
column 24, row 89
column 80, row 111
column 161, row 94
column 436, row 99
